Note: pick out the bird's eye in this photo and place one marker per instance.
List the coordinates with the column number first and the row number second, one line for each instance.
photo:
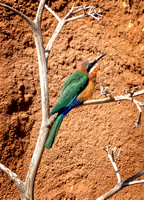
column 89, row 67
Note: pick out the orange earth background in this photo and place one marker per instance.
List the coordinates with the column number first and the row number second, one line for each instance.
column 76, row 168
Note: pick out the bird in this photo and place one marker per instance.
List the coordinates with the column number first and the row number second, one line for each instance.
column 77, row 88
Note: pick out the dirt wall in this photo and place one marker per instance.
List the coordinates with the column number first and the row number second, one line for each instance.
column 76, row 167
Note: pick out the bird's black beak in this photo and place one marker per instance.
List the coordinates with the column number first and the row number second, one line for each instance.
column 98, row 58
column 95, row 61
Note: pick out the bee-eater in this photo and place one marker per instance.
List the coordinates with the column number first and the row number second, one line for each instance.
column 77, row 88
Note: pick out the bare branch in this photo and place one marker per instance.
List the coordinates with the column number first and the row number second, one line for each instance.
column 130, row 181
column 70, row 12
column 31, row 174
column 31, row 23
column 77, row 17
column 115, row 99
column 34, row 164
column 40, row 11
column 120, row 184
column 50, row 121
column 132, row 91
column 28, row 185
column 118, row 155
column 74, row 10
column 138, row 93
column 52, row 12
column 134, row 182
column 88, row 11
column 52, row 39
column 105, row 91
column 111, row 98
column 42, row 60
column 138, row 104
column 113, row 161
column 13, row 177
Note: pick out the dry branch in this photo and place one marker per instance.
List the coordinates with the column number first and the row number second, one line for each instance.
column 26, row 191
column 13, row 177
column 31, row 23
column 87, row 11
column 120, row 184
column 26, row 188
column 112, row 98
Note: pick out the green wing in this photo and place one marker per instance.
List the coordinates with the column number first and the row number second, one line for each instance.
column 73, row 86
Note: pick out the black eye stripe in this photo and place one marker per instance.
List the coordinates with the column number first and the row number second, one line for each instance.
column 94, row 62
column 89, row 67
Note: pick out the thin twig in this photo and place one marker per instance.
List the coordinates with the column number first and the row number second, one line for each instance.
column 52, row 12
column 132, row 91
column 74, row 10
column 113, row 161
column 138, row 104
column 138, row 93
column 105, row 91
column 121, row 98
column 91, row 12
column 130, row 179
column 70, row 12
column 120, row 184
column 77, row 17
column 52, row 39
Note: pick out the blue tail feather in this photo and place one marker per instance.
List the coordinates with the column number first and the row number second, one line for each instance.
column 75, row 103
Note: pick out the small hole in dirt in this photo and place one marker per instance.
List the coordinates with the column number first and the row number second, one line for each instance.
column 13, row 107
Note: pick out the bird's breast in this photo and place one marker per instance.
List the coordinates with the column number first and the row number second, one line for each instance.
column 88, row 92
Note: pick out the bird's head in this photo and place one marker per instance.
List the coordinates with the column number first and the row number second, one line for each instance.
column 91, row 66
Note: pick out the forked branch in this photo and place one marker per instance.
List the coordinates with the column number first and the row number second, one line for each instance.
column 110, row 98
column 28, row 186
column 87, row 11
column 120, row 184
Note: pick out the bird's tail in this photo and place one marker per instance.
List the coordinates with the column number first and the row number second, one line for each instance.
column 54, row 131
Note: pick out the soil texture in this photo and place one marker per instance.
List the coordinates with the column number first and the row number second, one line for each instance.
column 76, row 168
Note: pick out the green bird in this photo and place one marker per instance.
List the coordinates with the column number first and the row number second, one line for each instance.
column 77, row 88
